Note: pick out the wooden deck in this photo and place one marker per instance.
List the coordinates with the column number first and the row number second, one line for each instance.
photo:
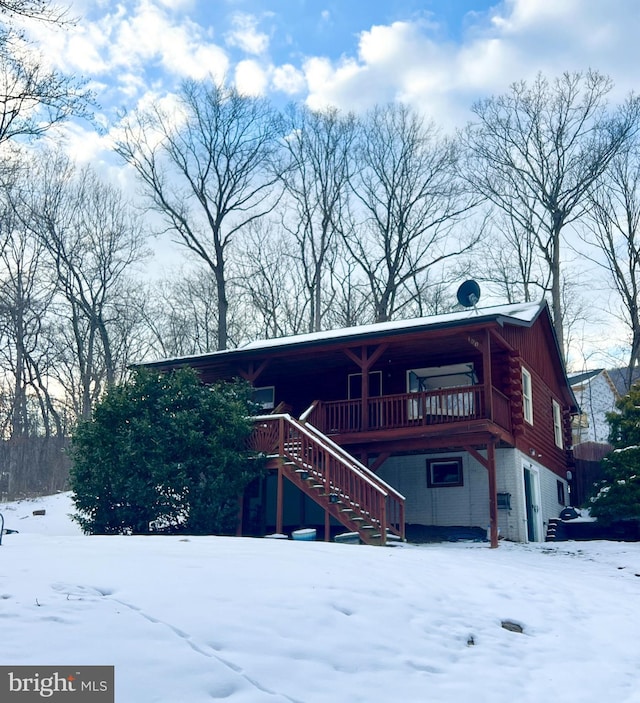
column 445, row 408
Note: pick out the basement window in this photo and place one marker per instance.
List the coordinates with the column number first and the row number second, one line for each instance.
column 444, row 472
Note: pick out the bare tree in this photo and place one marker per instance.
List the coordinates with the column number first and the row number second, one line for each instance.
column 408, row 197
column 510, row 262
column 613, row 226
column 536, row 151
column 319, row 149
column 182, row 315
column 42, row 10
column 34, row 98
column 269, row 276
column 208, row 170
column 93, row 238
column 350, row 301
column 25, row 354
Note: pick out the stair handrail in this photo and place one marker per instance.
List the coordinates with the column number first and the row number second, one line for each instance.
column 350, row 458
column 339, row 455
column 307, row 413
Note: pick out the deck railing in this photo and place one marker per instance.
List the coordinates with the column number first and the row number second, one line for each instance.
column 438, row 407
column 501, row 410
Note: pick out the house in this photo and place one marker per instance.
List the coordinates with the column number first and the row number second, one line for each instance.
column 459, row 423
column 596, row 395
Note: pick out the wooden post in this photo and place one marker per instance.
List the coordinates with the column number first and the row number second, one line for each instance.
column 486, row 372
column 240, row 515
column 279, row 502
column 364, row 395
column 490, row 465
column 327, row 526
column 365, row 362
column 251, row 373
column 493, row 494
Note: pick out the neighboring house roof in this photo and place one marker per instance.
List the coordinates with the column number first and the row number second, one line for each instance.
column 619, row 378
column 578, row 378
column 597, row 395
column 523, row 314
column 588, row 376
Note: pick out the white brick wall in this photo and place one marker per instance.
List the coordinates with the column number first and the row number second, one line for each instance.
column 549, row 488
column 464, row 505
column 468, row 505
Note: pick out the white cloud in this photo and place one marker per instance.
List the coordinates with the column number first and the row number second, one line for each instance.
column 127, row 44
column 149, row 35
column 514, row 40
column 251, row 78
column 288, row 79
column 177, row 4
column 245, row 34
column 83, row 145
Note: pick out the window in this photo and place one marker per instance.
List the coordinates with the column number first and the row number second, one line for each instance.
column 264, row 397
column 560, row 487
column 444, row 472
column 527, row 397
column 435, row 378
column 557, row 423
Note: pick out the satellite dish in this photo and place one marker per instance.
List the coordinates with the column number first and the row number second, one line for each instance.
column 468, row 294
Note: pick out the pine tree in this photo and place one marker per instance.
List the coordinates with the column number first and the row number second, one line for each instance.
column 617, row 495
column 163, row 453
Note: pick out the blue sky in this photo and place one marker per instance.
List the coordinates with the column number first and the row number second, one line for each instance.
column 436, row 55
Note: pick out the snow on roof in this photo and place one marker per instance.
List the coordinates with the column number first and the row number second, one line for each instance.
column 522, row 313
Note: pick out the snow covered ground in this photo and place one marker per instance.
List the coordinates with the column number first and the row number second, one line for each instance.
column 189, row 620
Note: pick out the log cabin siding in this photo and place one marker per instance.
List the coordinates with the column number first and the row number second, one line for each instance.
column 537, row 441
column 534, row 345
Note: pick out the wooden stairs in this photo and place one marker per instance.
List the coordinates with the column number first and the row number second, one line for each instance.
column 346, row 489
